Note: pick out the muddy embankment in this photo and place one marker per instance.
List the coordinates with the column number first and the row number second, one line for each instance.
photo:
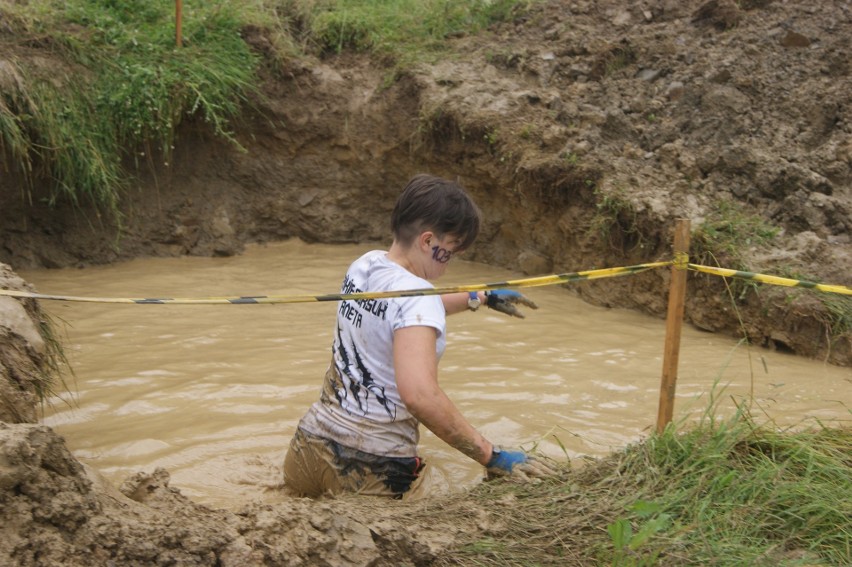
column 583, row 130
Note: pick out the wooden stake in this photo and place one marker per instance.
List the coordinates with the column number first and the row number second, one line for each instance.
column 674, row 323
column 179, row 23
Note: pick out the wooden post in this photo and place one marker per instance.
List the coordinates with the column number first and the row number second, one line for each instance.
column 179, row 23
column 674, row 323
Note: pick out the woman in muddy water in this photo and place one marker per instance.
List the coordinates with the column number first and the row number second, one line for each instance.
column 362, row 434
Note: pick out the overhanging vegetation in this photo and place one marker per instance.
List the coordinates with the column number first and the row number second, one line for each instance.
column 115, row 86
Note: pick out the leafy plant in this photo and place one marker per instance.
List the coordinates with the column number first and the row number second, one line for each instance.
column 627, row 545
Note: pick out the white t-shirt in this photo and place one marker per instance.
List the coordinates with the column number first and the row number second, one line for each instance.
column 360, row 406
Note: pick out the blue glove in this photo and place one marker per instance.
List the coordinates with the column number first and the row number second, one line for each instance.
column 504, row 300
column 504, row 461
column 517, row 464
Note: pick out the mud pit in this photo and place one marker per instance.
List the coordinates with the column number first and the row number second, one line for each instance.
column 583, row 129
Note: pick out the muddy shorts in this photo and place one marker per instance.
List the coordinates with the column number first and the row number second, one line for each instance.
column 315, row 466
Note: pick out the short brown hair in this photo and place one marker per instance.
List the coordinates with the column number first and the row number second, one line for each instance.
column 439, row 205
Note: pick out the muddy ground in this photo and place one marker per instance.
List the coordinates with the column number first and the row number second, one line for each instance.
column 583, row 129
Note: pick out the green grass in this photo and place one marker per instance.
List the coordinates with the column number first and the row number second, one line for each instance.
column 614, row 220
column 119, row 89
column 744, row 494
column 840, row 312
column 399, row 27
column 721, row 492
column 838, row 308
column 727, row 232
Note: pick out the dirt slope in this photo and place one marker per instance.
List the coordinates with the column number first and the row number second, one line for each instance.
column 584, row 129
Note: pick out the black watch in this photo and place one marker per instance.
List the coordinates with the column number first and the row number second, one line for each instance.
column 473, row 301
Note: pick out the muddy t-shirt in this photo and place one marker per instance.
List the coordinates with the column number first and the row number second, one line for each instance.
column 360, row 406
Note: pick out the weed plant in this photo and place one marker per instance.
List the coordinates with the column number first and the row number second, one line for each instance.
column 840, row 313
column 615, row 220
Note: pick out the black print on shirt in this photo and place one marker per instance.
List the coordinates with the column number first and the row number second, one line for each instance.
column 353, row 311
column 360, row 380
column 354, row 386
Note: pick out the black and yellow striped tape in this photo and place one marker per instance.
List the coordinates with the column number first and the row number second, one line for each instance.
column 681, row 261
column 772, row 280
column 256, row 299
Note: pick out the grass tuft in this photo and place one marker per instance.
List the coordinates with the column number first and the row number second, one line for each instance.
column 724, row 492
column 120, row 86
column 408, row 30
column 728, row 232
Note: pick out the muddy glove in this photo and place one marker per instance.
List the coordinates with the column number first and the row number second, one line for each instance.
column 504, row 301
column 516, row 464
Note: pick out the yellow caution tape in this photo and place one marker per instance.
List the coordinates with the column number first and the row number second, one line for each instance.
column 681, row 261
column 773, row 280
column 255, row 299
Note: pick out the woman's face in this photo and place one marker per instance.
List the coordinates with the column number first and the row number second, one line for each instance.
column 442, row 250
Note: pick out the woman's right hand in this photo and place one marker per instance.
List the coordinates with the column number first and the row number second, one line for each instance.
column 516, row 463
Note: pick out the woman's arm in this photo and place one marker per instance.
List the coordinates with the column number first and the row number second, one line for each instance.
column 457, row 302
column 416, row 369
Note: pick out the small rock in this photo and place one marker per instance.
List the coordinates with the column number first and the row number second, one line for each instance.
column 794, row 39
column 721, row 14
column 675, row 90
column 14, row 317
column 621, row 19
column 648, row 74
column 721, row 77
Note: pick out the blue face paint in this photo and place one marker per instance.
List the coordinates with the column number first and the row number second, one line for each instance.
column 441, row 255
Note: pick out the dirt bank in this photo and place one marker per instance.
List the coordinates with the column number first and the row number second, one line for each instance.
column 56, row 512
column 584, row 129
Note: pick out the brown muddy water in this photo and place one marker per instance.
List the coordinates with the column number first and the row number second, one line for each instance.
column 213, row 393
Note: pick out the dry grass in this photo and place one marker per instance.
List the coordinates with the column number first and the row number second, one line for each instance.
column 724, row 493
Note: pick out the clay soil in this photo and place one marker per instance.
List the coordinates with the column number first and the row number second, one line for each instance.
column 583, row 130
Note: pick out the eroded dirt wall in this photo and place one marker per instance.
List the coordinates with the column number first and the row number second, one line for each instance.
column 583, row 130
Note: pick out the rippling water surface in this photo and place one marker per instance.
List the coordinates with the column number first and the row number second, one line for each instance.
column 213, row 393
